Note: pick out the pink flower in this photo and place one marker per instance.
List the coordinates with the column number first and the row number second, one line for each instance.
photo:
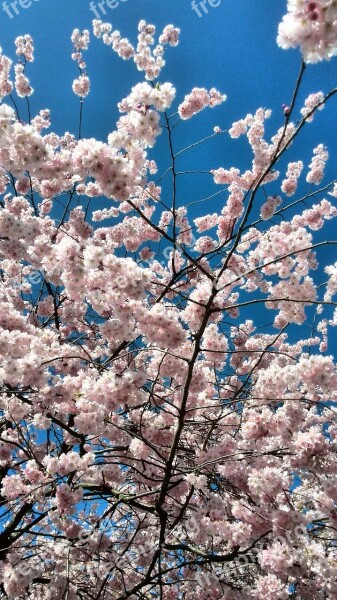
column 170, row 35
column 309, row 25
column 197, row 100
column 81, row 86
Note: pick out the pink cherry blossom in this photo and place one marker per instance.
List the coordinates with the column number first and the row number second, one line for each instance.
column 310, row 25
column 167, row 371
column 197, row 100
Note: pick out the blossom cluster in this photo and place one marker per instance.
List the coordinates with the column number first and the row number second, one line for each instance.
column 197, row 100
column 147, row 59
column 312, row 26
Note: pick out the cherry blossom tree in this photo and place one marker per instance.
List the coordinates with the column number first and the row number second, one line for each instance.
column 155, row 441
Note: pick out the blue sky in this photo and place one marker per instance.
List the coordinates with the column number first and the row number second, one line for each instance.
column 231, row 47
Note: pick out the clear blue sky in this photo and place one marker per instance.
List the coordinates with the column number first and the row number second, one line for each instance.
column 232, row 47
